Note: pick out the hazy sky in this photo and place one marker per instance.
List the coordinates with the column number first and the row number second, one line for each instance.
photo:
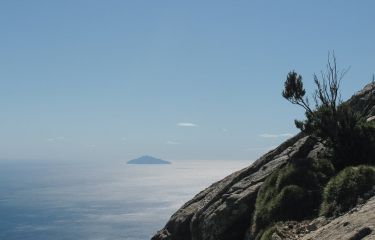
column 114, row 80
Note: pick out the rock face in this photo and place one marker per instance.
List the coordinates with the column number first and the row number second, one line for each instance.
column 223, row 211
column 364, row 101
column 359, row 223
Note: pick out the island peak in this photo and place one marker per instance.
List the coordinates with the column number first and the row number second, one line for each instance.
column 148, row 160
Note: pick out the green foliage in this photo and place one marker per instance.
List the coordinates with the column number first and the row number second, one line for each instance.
column 333, row 123
column 294, row 91
column 296, row 190
column 292, row 192
column 343, row 190
column 293, row 87
column 320, row 124
column 351, row 137
column 355, row 140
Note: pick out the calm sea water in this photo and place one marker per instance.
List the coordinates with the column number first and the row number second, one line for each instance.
column 56, row 200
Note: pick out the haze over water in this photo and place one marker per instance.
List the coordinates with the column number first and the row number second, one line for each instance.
column 98, row 200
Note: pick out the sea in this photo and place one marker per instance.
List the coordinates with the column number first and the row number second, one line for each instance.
column 98, row 200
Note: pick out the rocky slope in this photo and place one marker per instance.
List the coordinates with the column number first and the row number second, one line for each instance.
column 223, row 211
column 359, row 223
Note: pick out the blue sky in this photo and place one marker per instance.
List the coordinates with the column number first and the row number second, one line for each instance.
column 112, row 80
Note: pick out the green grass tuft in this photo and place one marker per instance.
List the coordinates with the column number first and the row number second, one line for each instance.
column 342, row 191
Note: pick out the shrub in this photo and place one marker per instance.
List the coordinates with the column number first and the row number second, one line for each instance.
column 343, row 190
column 351, row 138
column 331, row 122
column 292, row 192
column 355, row 140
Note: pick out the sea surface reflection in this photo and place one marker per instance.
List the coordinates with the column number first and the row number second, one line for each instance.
column 98, row 200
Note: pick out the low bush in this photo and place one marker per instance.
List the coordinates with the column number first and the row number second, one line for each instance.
column 292, row 192
column 351, row 138
column 355, row 139
column 342, row 191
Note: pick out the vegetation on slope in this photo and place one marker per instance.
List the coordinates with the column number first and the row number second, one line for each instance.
column 343, row 191
column 329, row 185
column 292, row 192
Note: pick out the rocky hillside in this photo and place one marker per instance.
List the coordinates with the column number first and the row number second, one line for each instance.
column 358, row 223
column 224, row 210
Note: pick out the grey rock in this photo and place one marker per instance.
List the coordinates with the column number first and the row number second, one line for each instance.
column 319, row 222
column 361, row 233
column 311, row 227
column 275, row 236
column 223, row 210
column 352, row 225
column 363, row 101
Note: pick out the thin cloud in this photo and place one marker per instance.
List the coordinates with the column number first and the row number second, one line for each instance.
column 55, row 139
column 268, row 135
column 187, row 124
column 260, row 148
column 172, row 143
column 90, row 147
column 286, row 135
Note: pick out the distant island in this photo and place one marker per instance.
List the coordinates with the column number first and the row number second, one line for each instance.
column 148, row 160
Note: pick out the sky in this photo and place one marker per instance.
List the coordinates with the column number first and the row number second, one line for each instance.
column 179, row 80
